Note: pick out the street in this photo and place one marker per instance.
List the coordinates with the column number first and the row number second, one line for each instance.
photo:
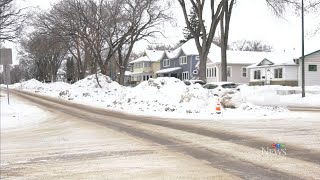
column 80, row 142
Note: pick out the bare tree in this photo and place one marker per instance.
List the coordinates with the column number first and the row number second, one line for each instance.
column 47, row 52
column 247, row 45
column 11, row 20
column 141, row 19
column 203, row 37
column 224, row 29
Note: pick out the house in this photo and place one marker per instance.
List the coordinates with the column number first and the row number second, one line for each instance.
column 145, row 67
column 61, row 75
column 312, row 69
column 237, row 63
column 274, row 69
column 180, row 63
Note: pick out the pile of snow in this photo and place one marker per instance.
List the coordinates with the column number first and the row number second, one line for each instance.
column 268, row 96
column 160, row 97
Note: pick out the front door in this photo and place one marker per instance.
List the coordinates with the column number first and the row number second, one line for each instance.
column 174, row 75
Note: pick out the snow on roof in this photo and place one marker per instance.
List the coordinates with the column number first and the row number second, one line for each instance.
column 154, row 55
column 61, row 71
column 140, row 59
column 277, row 58
column 188, row 48
column 150, row 56
column 168, row 70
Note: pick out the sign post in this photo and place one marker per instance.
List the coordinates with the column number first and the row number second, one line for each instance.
column 5, row 60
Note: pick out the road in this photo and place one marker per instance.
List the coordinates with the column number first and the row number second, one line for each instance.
column 80, row 142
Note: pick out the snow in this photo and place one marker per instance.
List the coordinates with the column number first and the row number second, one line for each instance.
column 140, row 59
column 168, row 70
column 267, row 95
column 150, row 56
column 18, row 114
column 154, row 55
column 170, row 97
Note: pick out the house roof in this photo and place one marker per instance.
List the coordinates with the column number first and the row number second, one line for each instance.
column 150, row 56
column 237, row 57
column 154, row 55
column 188, row 48
column 310, row 54
column 168, row 70
column 275, row 59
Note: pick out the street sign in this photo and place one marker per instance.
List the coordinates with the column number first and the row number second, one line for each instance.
column 5, row 56
column 5, row 60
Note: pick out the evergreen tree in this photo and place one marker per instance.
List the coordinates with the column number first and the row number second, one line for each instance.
column 194, row 22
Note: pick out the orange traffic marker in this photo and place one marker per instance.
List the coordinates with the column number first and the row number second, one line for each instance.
column 218, row 106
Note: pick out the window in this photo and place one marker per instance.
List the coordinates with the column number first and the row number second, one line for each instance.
column 229, row 71
column 166, row 63
column 313, row 68
column 257, row 74
column 195, row 72
column 231, row 85
column 147, row 64
column 215, row 72
column 197, row 58
column 183, row 60
column 210, row 72
column 185, row 75
column 244, row 72
column 210, row 86
column 278, row 73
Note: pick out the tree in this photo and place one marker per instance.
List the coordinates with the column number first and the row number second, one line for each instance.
column 70, row 70
column 194, row 23
column 203, row 37
column 224, row 29
column 247, row 45
column 47, row 52
column 162, row 47
column 140, row 20
column 11, row 20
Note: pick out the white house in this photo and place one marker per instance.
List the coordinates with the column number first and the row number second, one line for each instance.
column 274, row 69
column 237, row 63
column 312, row 69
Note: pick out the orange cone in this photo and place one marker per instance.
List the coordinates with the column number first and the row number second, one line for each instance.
column 218, row 106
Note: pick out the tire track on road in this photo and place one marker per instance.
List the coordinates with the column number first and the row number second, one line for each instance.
column 233, row 166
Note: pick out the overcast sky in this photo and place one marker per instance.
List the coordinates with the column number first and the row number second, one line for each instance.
column 251, row 20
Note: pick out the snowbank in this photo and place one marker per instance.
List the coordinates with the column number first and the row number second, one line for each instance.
column 165, row 97
column 268, row 96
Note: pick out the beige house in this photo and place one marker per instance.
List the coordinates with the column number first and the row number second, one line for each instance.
column 145, row 67
column 312, row 69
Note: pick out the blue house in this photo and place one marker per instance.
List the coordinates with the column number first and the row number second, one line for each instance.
column 181, row 63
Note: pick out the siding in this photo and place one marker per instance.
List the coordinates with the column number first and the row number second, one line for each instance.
column 311, row 78
column 289, row 73
column 189, row 67
column 236, row 74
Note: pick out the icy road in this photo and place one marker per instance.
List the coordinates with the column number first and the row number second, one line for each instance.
column 61, row 140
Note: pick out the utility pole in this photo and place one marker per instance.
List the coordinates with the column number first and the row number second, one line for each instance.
column 302, row 57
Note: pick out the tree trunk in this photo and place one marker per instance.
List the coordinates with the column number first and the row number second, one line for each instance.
column 203, row 67
column 224, row 76
column 224, row 28
column 122, row 75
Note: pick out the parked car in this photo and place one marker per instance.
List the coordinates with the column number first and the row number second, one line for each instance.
column 189, row 82
column 221, row 85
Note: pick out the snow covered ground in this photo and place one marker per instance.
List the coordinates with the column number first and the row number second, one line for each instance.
column 170, row 97
column 267, row 95
column 19, row 115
